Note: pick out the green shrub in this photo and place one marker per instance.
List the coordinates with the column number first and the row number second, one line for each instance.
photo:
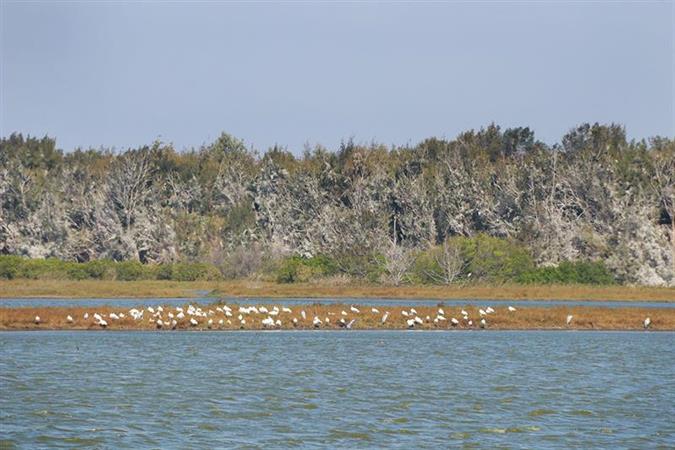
column 130, row 271
column 493, row 259
column 10, row 266
column 100, row 269
column 193, row 272
column 579, row 272
column 298, row 269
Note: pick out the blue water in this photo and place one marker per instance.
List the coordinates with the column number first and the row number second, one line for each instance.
column 132, row 302
column 337, row 389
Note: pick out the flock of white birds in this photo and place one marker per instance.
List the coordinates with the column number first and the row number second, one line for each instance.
column 168, row 318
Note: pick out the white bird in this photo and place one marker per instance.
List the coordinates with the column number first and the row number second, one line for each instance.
column 278, row 323
column 412, row 311
column 37, row 320
column 228, row 313
column 209, row 324
column 286, row 310
column 354, row 310
column 482, row 323
column 180, row 315
column 647, row 322
column 86, row 316
column 97, row 317
column 113, row 316
column 454, row 321
column 375, row 311
column 464, row 313
column 274, row 312
column 121, row 315
column 242, row 322
column 170, row 315
column 316, row 322
column 240, row 317
column 418, row 320
column 327, row 319
column 193, row 322
column 440, row 318
column 263, row 310
column 219, row 309
column 103, row 323
column 295, row 321
column 304, row 316
column 489, row 310
column 151, row 309
column 482, row 312
column 159, row 323
column 441, row 312
column 160, row 309
column 69, row 319
column 470, row 322
column 173, row 324
column 512, row 309
column 411, row 323
column 428, row 319
column 268, row 322
column 344, row 313
column 384, row 318
column 569, row 319
column 405, row 313
column 220, row 322
column 351, row 322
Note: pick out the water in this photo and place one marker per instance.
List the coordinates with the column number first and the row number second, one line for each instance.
column 132, row 302
column 337, row 389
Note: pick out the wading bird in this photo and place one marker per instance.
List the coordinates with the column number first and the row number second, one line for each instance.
column 647, row 322
column 512, row 309
column 569, row 319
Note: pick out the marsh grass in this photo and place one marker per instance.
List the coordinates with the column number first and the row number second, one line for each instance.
column 334, row 289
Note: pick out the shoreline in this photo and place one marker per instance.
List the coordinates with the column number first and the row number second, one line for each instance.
column 21, row 288
column 221, row 317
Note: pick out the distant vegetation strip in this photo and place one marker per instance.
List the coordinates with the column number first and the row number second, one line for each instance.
column 22, row 288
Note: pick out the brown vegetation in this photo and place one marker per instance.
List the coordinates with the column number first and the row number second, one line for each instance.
column 591, row 318
column 247, row 288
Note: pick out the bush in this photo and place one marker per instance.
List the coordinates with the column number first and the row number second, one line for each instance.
column 298, row 269
column 10, row 266
column 194, row 272
column 130, row 271
column 579, row 272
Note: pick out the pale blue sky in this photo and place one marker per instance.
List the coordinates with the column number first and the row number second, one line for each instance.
column 124, row 74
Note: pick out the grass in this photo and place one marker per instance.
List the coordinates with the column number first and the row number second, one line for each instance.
column 248, row 288
column 585, row 318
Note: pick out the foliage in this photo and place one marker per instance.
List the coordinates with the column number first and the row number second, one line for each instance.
column 578, row 272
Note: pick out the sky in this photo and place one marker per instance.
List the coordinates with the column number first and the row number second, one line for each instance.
column 122, row 74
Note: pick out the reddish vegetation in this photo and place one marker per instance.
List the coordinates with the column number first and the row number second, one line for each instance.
column 597, row 318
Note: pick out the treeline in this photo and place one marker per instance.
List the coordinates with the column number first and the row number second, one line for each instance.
column 374, row 212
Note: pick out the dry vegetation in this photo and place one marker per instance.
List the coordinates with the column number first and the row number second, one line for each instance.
column 247, row 288
column 596, row 318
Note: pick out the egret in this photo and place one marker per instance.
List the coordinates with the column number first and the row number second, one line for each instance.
column 354, row 310
column 286, row 310
column 160, row 309
column 97, row 317
column 69, row 319
column 263, row 310
column 228, row 313
column 418, row 320
column 569, row 319
column 489, row 310
column 159, row 323
column 482, row 312
column 351, row 322
column 512, row 309
column 440, row 318
column 375, row 311
column 209, row 324
column 274, row 312
column 193, row 322
column 37, row 320
column 295, row 322
column 482, row 323
column 113, row 316
column 647, row 322
column 428, row 319
column 304, row 316
column 384, row 318
column 86, row 316
column 441, row 312
column 103, row 323
column 151, row 309
column 278, row 323
column 405, row 313
column 219, row 309
column 410, row 323
column 173, row 324
column 464, row 313
column 412, row 311
column 220, row 323
column 344, row 313
column 454, row 321
column 268, row 322
column 316, row 322
column 470, row 323
column 180, row 315
column 121, row 315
